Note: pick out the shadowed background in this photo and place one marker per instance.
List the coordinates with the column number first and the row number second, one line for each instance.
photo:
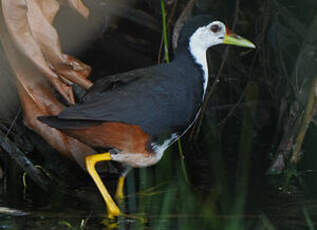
column 238, row 154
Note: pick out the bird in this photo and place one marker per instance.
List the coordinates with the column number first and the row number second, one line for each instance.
column 133, row 117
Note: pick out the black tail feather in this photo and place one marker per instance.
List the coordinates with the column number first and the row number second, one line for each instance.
column 57, row 123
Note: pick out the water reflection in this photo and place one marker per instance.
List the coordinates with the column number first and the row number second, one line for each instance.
column 170, row 205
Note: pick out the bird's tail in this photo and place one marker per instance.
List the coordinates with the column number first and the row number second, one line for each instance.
column 58, row 123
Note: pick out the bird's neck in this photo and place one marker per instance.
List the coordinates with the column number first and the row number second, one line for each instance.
column 195, row 67
column 198, row 53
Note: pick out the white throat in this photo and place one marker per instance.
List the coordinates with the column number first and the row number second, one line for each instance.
column 199, row 53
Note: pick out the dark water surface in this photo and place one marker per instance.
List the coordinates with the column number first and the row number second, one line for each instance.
column 172, row 204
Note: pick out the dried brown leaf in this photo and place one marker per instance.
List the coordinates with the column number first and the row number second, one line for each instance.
column 30, row 26
column 62, row 64
column 38, row 100
column 78, row 6
column 15, row 18
column 29, row 64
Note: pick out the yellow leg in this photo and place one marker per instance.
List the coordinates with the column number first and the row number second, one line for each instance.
column 119, row 192
column 91, row 161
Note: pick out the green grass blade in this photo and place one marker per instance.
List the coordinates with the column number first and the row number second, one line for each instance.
column 308, row 219
column 166, row 53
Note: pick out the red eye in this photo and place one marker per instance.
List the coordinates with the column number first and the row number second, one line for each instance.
column 215, row 28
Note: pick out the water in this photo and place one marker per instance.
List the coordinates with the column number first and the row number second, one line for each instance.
column 169, row 205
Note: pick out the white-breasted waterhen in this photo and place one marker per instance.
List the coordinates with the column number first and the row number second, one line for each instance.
column 140, row 113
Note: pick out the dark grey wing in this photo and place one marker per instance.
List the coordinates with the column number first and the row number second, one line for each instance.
column 112, row 82
column 158, row 103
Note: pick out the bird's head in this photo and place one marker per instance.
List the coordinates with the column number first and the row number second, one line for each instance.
column 202, row 32
column 216, row 33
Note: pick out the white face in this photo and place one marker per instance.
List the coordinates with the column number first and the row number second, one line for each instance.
column 203, row 38
column 214, row 33
column 210, row 35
